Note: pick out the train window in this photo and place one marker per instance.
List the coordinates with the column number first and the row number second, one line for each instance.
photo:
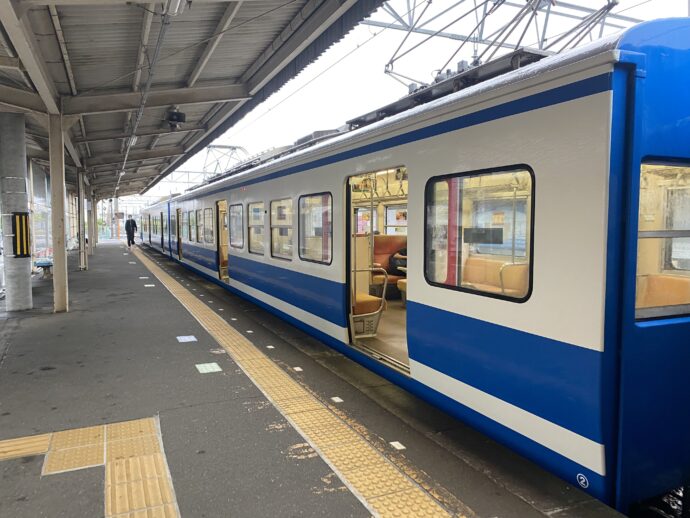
column 199, row 226
column 663, row 246
column 208, row 225
column 478, row 232
column 173, row 225
column 184, row 225
column 281, row 229
column 236, row 226
column 316, row 227
column 192, row 226
column 256, row 227
column 165, row 226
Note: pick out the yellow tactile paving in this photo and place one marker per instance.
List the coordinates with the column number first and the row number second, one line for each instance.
column 24, row 446
column 78, row 437
column 381, row 486
column 133, row 469
column 57, row 461
column 405, row 503
column 129, row 429
column 140, row 494
column 134, row 447
column 164, row 511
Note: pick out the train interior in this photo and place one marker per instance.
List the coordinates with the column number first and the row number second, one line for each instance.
column 378, row 263
column 663, row 250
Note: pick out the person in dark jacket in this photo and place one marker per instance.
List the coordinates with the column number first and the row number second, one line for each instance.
column 130, row 228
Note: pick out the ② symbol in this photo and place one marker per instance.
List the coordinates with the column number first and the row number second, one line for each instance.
column 582, row 480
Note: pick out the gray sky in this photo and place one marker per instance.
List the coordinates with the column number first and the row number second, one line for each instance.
column 348, row 79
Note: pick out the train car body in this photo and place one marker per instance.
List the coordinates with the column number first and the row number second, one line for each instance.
column 546, row 295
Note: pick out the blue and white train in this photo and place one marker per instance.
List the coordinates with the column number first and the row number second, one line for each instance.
column 545, row 218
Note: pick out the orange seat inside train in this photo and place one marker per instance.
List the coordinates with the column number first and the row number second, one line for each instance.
column 384, row 247
column 662, row 290
column 496, row 276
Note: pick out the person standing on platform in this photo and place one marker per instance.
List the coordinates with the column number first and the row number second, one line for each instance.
column 130, row 228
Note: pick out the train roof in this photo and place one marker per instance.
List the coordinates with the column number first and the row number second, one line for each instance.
column 535, row 68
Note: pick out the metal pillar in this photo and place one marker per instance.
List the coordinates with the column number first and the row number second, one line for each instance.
column 57, row 202
column 81, row 218
column 116, row 220
column 93, row 217
column 14, row 205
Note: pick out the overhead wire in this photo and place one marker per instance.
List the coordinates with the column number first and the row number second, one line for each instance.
column 337, row 62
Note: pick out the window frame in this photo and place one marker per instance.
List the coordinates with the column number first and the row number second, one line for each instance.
column 290, row 227
column 656, row 313
column 241, row 206
column 428, row 186
column 263, row 226
column 199, row 224
column 299, row 228
column 212, row 232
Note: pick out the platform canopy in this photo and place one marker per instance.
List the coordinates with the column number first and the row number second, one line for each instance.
column 121, row 71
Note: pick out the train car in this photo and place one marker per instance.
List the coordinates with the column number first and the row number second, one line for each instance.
column 517, row 253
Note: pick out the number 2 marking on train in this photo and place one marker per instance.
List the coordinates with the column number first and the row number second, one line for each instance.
column 582, row 480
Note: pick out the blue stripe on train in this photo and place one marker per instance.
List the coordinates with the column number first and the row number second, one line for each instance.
column 321, row 297
column 202, row 256
column 554, row 380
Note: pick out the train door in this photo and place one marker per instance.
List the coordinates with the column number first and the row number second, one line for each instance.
column 178, row 233
column 163, row 229
column 150, row 230
column 377, row 248
column 222, row 239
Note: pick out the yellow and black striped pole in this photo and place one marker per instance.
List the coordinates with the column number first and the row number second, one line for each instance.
column 22, row 240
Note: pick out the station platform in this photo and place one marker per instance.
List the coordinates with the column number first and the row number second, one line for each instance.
column 161, row 394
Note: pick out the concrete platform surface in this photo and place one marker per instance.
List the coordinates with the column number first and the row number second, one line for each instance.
column 226, row 449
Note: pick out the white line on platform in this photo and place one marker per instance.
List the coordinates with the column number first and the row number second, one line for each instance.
column 398, row 445
column 336, row 399
column 143, row 277
column 249, row 331
column 297, row 369
column 270, row 347
column 205, row 368
column 189, row 338
column 149, row 285
column 221, row 309
column 132, row 262
column 233, row 318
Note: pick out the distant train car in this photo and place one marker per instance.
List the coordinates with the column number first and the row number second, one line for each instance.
column 517, row 253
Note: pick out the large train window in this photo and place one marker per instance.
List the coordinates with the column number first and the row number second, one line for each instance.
column 192, row 225
column 199, row 226
column 256, row 227
column 479, row 232
column 316, row 227
column 663, row 247
column 184, row 224
column 236, row 226
column 281, row 229
column 208, row 225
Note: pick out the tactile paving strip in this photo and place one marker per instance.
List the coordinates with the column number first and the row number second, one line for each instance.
column 24, row 446
column 378, row 483
column 137, row 479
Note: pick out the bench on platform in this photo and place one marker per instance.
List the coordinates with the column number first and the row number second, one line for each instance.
column 47, row 266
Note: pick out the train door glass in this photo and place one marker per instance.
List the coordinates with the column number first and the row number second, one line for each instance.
column 179, row 232
column 222, row 239
column 377, row 209
column 163, row 228
column 150, row 229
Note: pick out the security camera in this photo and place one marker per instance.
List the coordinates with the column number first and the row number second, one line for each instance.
column 175, row 118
